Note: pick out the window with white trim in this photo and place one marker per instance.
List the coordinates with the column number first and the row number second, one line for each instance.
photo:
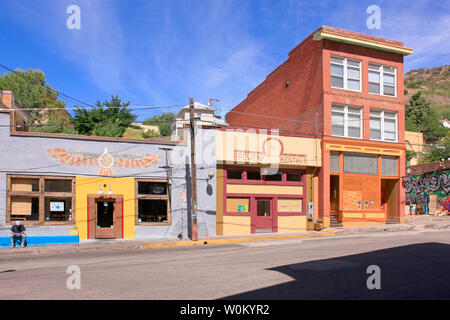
column 382, row 80
column 345, row 73
column 383, row 125
column 346, row 121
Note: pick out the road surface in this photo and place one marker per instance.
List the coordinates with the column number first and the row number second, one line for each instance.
column 411, row 265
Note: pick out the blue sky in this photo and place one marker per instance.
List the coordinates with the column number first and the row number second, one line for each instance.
column 163, row 52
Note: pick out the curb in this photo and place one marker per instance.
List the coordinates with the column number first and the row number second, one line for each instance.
column 235, row 240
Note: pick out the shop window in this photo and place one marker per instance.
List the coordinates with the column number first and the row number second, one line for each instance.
column 152, row 188
column 253, row 175
column 334, row 161
column 57, row 185
column 234, row 174
column 152, row 210
column 152, row 202
column 27, row 202
column 293, row 177
column 238, row 204
column 274, row 177
column 389, row 166
column 360, row 163
column 58, row 209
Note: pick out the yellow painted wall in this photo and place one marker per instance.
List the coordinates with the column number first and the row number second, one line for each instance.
column 291, row 224
column 414, row 142
column 235, row 225
column 264, row 189
column 119, row 186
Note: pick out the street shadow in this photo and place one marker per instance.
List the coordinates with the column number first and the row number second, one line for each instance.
column 418, row 271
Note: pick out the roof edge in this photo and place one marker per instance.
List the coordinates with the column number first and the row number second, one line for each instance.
column 329, row 35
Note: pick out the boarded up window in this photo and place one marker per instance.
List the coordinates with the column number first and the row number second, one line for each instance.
column 25, row 208
column 238, row 204
column 25, row 185
column 361, row 192
column 290, row 205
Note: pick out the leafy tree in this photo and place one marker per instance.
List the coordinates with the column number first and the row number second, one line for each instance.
column 33, row 93
column 109, row 119
column 419, row 117
column 163, row 121
column 416, row 109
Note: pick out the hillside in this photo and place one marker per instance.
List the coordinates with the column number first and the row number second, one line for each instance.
column 434, row 83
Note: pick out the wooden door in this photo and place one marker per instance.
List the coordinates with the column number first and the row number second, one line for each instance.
column 262, row 215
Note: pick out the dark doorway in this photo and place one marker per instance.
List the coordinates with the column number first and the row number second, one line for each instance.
column 105, row 214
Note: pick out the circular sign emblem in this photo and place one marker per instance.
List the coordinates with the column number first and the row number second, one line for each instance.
column 106, row 161
column 275, row 147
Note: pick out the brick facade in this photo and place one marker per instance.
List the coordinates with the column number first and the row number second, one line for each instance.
column 297, row 97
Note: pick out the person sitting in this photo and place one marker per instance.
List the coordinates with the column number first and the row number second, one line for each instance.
column 18, row 232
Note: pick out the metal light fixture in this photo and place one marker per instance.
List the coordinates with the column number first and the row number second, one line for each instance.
column 101, row 190
column 110, row 193
column 210, row 175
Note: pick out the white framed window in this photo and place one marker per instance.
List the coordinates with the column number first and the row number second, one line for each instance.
column 345, row 73
column 382, row 80
column 383, row 125
column 346, row 121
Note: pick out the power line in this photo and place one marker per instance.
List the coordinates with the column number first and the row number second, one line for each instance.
column 48, row 88
column 59, row 93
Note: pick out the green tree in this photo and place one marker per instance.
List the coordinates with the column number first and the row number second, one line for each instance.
column 416, row 109
column 108, row 119
column 33, row 93
column 163, row 121
column 419, row 117
column 438, row 151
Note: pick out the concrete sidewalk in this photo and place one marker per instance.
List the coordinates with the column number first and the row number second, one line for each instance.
column 413, row 223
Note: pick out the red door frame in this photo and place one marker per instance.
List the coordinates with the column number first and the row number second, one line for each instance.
column 266, row 222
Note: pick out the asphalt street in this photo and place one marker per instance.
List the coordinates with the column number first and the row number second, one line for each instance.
column 412, row 265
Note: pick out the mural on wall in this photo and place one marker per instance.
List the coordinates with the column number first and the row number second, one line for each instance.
column 106, row 161
column 436, row 184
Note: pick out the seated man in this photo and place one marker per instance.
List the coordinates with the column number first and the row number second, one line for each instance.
column 18, row 232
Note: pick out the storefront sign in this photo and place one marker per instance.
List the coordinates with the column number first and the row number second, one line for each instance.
column 275, row 155
column 56, row 206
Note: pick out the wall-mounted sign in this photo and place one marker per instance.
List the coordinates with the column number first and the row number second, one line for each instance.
column 242, row 208
column 310, row 210
column 57, row 206
column 106, row 161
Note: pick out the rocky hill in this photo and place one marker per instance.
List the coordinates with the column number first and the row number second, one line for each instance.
column 434, row 83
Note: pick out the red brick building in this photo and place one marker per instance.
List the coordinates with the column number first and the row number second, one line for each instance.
column 346, row 88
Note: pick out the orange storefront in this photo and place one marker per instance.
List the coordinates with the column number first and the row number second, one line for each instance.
column 361, row 182
column 265, row 181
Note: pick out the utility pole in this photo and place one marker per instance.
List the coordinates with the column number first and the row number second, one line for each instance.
column 193, row 171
